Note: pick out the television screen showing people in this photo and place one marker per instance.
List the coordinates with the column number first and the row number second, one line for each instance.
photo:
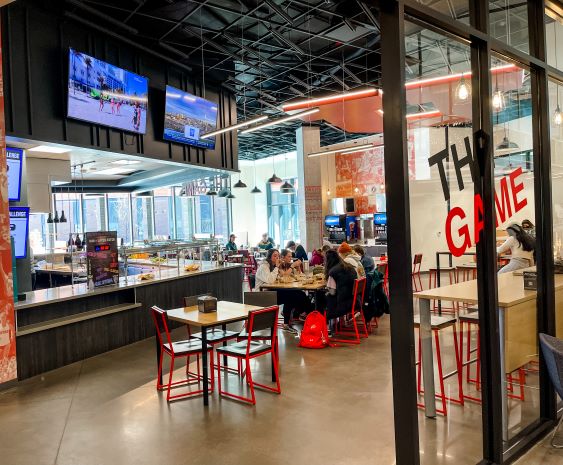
column 188, row 117
column 101, row 93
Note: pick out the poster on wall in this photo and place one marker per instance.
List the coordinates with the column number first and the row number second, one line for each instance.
column 19, row 230
column 14, row 162
column 8, row 366
column 102, row 258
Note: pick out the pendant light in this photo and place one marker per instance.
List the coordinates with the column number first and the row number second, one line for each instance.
column 56, row 218
column 211, row 190
column 63, row 217
column 255, row 190
column 274, row 178
column 224, row 191
column 286, row 187
column 463, row 91
column 498, row 99
column 50, row 218
column 239, row 184
column 231, row 196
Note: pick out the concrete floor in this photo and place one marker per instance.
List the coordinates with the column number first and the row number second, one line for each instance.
column 335, row 408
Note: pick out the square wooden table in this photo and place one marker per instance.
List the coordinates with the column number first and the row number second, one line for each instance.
column 227, row 312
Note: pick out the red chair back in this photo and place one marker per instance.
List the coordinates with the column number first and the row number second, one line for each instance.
column 161, row 324
column 359, row 291
column 417, row 263
column 258, row 320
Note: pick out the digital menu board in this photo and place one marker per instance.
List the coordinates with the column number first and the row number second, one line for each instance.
column 101, row 258
column 14, row 161
column 19, row 225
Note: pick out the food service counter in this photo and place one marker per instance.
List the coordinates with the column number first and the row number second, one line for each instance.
column 62, row 325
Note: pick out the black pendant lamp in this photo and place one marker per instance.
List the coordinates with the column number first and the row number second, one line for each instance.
column 212, row 190
column 507, row 144
column 63, row 217
column 56, row 219
column 255, row 190
column 50, row 218
column 287, row 188
column 231, row 196
column 274, row 178
column 239, row 184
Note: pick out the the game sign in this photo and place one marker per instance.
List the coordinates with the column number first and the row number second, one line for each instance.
column 102, row 258
column 509, row 200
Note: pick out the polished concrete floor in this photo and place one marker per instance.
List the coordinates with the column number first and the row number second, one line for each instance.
column 335, row 408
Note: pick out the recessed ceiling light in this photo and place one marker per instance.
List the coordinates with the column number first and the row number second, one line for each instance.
column 48, row 149
column 125, row 162
column 116, row 171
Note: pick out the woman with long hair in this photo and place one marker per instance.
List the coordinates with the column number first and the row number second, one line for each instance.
column 340, row 277
column 521, row 246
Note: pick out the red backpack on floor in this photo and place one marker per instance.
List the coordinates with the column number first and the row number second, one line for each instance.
column 315, row 332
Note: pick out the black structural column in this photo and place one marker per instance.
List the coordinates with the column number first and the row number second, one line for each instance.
column 399, row 241
column 543, row 199
column 486, row 248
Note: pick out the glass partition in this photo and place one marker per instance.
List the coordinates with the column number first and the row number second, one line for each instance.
column 204, row 214
column 184, row 207
column 142, row 217
column 163, row 213
column 94, row 212
column 119, row 216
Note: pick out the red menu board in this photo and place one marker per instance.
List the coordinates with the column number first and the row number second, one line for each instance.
column 101, row 258
column 8, row 367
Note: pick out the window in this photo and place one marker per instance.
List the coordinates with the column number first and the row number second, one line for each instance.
column 184, row 216
column 119, row 216
column 221, row 217
column 94, row 212
column 283, row 218
column 203, row 214
column 142, row 217
column 38, row 235
column 163, row 213
column 70, row 205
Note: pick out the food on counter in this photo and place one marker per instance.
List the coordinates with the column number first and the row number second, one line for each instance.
column 192, row 267
column 319, row 269
column 139, row 256
column 146, row 276
column 157, row 260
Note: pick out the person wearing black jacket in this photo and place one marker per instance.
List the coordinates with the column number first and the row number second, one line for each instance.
column 340, row 278
column 300, row 253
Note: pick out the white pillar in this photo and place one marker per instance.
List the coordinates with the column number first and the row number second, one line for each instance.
column 310, row 187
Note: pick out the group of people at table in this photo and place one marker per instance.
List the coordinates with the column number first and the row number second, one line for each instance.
column 341, row 268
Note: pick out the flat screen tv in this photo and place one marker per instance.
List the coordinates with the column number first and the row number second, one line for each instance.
column 19, row 226
column 188, row 117
column 104, row 94
column 14, row 161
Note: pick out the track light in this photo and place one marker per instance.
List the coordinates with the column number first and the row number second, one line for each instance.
column 342, row 150
column 234, row 127
column 340, row 97
column 280, row 120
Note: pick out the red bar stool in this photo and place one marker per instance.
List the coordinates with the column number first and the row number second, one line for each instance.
column 433, row 283
column 439, row 323
column 416, row 280
column 359, row 289
column 466, row 272
column 468, row 322
column 176, row 350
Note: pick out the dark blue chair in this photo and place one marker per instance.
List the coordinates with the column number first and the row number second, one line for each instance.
column 552, row 349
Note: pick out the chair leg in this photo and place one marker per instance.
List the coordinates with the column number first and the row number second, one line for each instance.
column 442, row 394
column 159, row 386
column 459, row 366
column 552, row 441
column 419, row 367
column 250, row 383
column 170, row 379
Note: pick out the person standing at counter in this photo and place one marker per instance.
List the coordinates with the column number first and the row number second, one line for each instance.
column 231, row 246
column 267, row 243
column 521, row 246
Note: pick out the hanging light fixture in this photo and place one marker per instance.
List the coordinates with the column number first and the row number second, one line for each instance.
column 211, row 190
column 286, row 187
column 224, row 190
column 255, row 190
column 235, row 126
column 56, row 218
column 557, row 115
column 498, row 99
column 274, row 178
column 231, row 196
column 507, row 144
column 463, row 90
column 280, row 120
column 50, row 218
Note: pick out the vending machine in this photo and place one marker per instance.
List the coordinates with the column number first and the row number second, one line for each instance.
column 335, row 226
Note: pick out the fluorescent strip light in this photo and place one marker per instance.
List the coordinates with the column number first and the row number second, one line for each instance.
column 113, row 171
column 342, row 150
column 280, row 120
column 235, row 126
column 48, row 149
column 330, row 99
column 454, row 77
column 125, row 162
column 424, row 114
column 358, row 149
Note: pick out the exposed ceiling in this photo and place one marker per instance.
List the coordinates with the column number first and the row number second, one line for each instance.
column 269, row 52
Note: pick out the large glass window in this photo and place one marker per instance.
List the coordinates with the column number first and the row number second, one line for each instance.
column 94, row 212
column 184, row 216
column 509, row 22
column 70, row 205
column 119, row 216
column 163, row 213
column 221, row 217
column 283, row 216
column 204, row 214
column 142, row 217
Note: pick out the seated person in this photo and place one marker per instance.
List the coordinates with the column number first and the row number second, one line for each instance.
column 521, row 246
column 291, row 299
column 340, row 277
column 231, row 246
column 288, row 266
column 366, row 261
column 291, row 245
column 352, row 258
column 267, row 243
column 300, row 253
column 317, row 258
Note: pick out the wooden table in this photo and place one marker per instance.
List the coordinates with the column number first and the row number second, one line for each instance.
column 297, row 285
column 227, row 312
column 517, row 312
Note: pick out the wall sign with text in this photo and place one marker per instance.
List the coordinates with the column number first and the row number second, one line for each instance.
column 102, row 258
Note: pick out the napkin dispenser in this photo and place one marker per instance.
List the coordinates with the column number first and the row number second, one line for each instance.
column 207, row 304
column 530, row 280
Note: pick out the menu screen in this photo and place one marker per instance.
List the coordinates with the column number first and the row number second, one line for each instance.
column 14, row 159
column 102, row 258
column 19, row 221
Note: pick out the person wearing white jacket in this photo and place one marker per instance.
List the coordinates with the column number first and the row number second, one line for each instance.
column 267, row 273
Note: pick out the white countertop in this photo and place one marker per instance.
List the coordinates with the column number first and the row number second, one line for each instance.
column 56, row 294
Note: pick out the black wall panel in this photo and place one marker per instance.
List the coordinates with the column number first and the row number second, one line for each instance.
column 35, row 64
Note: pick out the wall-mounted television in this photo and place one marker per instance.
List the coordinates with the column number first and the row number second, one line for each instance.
column 188, row 117
column 14, row 161
column 101, row 93
column 380, row 219
column 19, row 227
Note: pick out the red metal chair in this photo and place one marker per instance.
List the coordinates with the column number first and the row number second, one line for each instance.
column 416, row 280
column 258, row 321
column 176, row 350
column 359, row 291
column 383, row 268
